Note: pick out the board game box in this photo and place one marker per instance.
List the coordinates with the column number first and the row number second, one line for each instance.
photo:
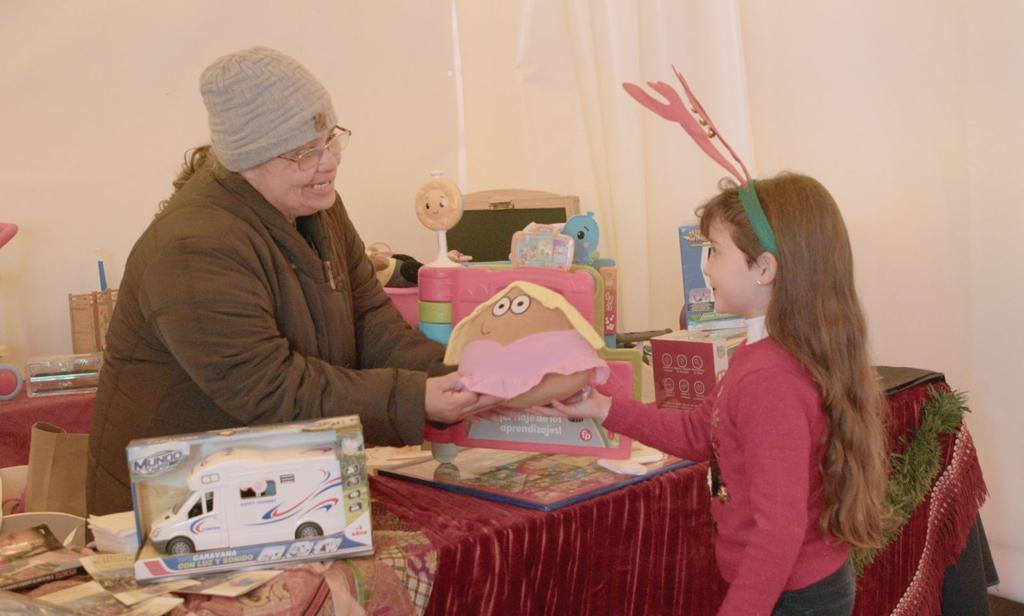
column 545, row 482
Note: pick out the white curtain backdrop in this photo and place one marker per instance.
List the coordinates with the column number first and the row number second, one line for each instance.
column 577, row 131
column 907, row 111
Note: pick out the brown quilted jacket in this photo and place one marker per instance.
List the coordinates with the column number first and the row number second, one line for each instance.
column 227, row 316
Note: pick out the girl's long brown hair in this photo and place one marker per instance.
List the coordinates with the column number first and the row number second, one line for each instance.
column 815, row 314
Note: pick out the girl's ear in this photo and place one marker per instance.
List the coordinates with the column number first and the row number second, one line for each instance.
column 766, row 267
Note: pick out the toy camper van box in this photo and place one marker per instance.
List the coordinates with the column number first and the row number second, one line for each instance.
column 698, row 299
column 687, row 364
column 245, row 497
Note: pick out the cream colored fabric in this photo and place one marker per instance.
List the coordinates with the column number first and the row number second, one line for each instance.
column 563, row 123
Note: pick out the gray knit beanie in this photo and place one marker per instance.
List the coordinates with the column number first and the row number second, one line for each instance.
column 262, row 103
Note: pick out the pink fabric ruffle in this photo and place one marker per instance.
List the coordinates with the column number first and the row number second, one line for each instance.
column 509, row 370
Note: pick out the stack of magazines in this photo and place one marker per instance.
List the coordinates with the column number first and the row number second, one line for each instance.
column 115, row 532
column 34, row 556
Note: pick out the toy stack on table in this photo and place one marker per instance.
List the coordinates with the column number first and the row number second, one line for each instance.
column 537, row 327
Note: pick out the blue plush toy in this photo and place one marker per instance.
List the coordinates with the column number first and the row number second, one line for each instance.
column 584, row 232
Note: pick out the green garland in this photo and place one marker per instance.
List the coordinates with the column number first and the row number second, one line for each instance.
column 914, row 470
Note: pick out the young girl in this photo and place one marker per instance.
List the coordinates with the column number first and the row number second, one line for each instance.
column 794, row 430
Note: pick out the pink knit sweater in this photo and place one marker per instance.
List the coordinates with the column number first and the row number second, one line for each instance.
column 769, row 435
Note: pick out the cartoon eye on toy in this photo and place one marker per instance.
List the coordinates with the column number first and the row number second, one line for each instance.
column 501, row 307
column 583, row 228
column 520, row 304
column 549, row 352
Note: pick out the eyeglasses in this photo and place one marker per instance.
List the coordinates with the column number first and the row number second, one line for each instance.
column 309, row 158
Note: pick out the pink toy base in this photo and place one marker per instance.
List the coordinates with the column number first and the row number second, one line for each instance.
column 468, row 287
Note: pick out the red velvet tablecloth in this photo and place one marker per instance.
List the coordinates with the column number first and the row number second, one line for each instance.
column 647, row 548
column 73, row 412
column 644, row 549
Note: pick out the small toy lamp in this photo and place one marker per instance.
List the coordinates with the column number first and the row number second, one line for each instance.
column 10, row 382
column 439, row 208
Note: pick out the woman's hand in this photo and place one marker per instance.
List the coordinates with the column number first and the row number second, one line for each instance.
column 595, row 406
column 447, row 402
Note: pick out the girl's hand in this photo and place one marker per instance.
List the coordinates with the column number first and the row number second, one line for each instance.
column 595, row 406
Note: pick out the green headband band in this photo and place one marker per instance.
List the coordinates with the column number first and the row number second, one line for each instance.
column 758, row 221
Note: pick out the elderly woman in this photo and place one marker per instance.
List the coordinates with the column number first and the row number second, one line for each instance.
column 250, row 299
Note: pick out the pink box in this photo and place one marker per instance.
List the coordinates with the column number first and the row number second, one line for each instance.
column 688, row 363
column 610, row 276
column 468, row 287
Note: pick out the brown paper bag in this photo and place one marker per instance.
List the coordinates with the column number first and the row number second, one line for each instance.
column 56, row 470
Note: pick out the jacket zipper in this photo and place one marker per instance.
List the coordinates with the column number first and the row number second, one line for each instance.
column 330, row 275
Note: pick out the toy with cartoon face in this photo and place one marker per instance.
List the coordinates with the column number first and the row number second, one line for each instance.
column 584, row 232
column 528, row 345
column 439, row 204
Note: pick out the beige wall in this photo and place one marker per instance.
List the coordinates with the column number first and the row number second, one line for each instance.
column 840, row 93
column 910, row 113
column 907, row 111
column 98, row 104
column 995, row 293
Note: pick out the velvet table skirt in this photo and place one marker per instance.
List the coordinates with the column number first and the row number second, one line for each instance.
column 73, row 412
column 648, row 548
column 644, row 549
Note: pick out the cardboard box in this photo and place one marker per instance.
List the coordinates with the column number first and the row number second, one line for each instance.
column 610, row 275
column 688, row 363
column 268, row 495
column 698, row 299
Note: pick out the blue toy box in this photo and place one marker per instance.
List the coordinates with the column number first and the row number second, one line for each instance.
column 698, row 298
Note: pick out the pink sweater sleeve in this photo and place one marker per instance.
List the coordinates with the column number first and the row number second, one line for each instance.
column 775, row 435
column 685, row 434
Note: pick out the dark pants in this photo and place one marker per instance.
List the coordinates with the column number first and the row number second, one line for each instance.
column 832, row 596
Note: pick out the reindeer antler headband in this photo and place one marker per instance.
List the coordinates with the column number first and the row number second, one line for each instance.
column 702, row 130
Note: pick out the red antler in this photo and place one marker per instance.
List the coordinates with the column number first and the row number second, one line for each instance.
column 675, row 111
column 7, row 231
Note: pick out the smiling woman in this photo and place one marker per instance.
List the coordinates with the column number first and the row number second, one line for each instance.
column 250, row 299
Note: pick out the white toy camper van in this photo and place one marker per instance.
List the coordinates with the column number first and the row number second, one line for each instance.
column 246, row 496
